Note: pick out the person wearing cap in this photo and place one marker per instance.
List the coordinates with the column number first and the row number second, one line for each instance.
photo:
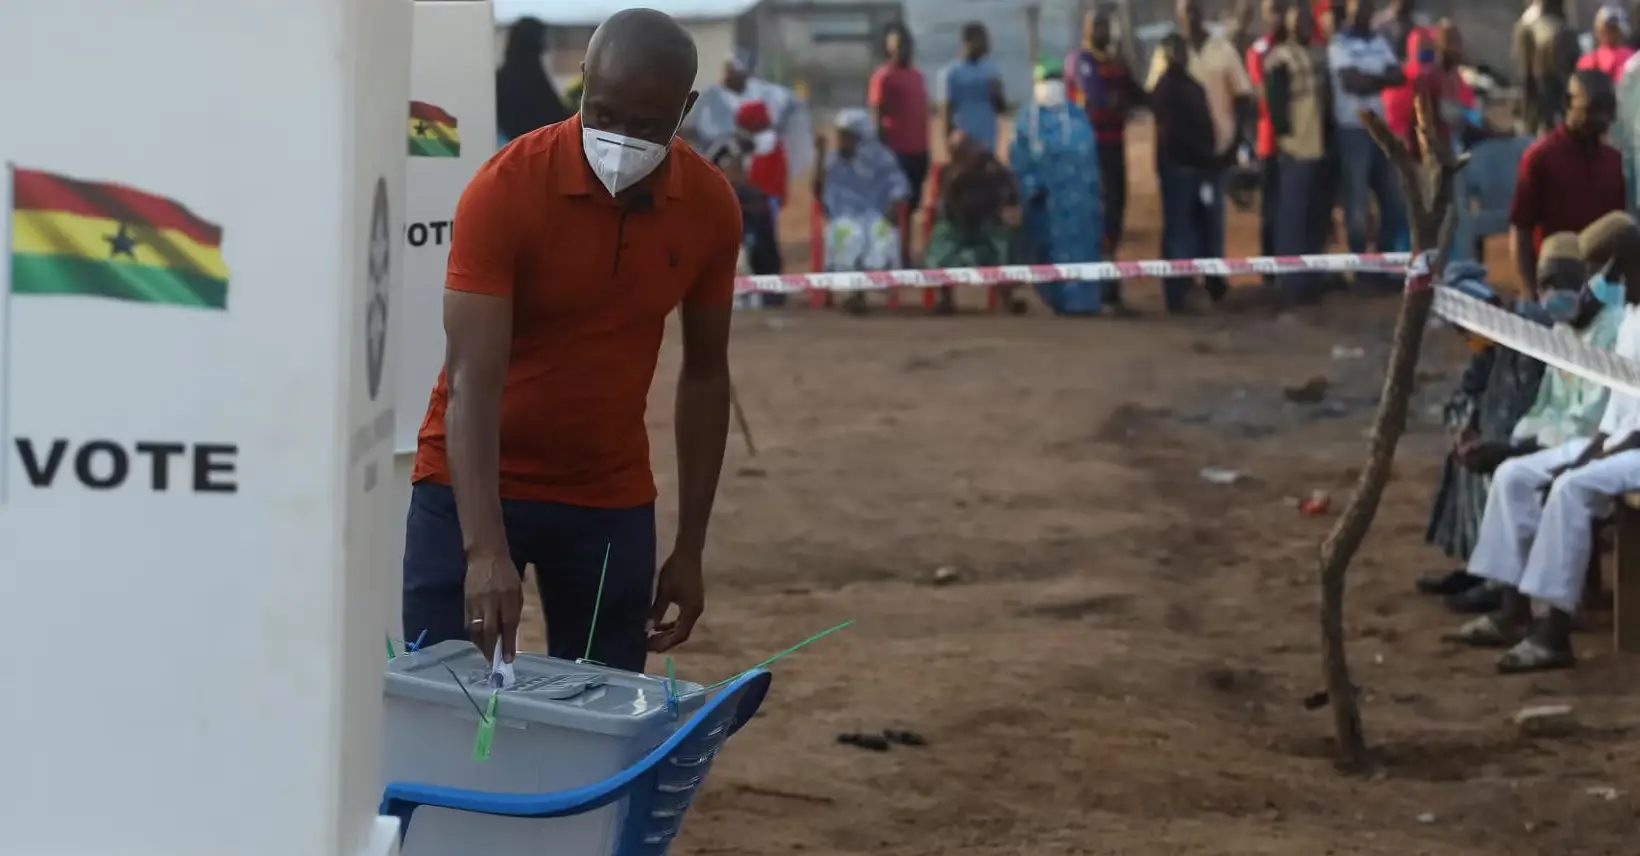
column 1537, row 533
column 715, row 112
column 1054, row 158
column 862, row 194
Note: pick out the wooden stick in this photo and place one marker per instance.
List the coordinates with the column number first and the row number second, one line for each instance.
column 1429, row 208
column 740, row 419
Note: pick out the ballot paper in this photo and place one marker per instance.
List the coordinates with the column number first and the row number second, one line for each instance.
column 501, row 672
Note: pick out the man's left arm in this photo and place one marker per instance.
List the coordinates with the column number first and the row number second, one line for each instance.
column 701, row 423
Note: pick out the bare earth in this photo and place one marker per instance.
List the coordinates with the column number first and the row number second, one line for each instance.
column 1120, row 665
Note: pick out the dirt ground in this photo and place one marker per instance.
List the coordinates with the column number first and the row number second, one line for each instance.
column 1120, row 663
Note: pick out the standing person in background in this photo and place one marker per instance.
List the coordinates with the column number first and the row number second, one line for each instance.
column 1611, row 51
column 714, row 114
column 1398, row 23
column 972, row 89
column 1098, row 80
column 763, row 162
column 1241, row 28
column 1546, row 54
column 1216, row 66
column 899, row 105
column 1436, row 71
column 524, row 96
column 1363, row 65
column 1292, row 92
column 1185, row 164
column 1275, row 22
column 1053, row 157
column 1569, row 178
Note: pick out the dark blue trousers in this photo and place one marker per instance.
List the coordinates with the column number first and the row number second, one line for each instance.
column 566, row 545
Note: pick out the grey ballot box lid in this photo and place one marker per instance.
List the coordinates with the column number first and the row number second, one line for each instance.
column 559, row 693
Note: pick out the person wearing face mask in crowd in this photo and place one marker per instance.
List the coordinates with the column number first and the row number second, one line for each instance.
column 863, row 194
column 1569, row 178
column 1054, row 157
column 1536, row 536
column 1508, row 404
column 574, row 245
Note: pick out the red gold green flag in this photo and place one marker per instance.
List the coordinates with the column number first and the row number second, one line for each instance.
column 98, row 239
column 433, row 132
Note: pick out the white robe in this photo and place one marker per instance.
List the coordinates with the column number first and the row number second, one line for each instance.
column 1541, row 546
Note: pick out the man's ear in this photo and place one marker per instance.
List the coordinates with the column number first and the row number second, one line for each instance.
column 689, row 102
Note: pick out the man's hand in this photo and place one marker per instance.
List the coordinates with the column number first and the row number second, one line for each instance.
column 1483, row 457
column 1464, row 440
column 495, row 604
column 680, row 584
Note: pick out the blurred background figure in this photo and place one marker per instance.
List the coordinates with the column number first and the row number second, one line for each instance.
column 972, row 89
column 525, row 98
column 1611, row 44
column 760, row 243
column 1099, row 80
column 863, row 195
column 767, row 167
column 1054, row 157
column 718, row 113
column 978, row 218
column 1546, row 54
column 899, row 105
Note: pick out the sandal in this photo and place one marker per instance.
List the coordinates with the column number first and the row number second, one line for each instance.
column 1533, row 656
column 1484, row 632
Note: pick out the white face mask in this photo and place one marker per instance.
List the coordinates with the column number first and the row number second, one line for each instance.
column 1050, row 93
column 620, row 161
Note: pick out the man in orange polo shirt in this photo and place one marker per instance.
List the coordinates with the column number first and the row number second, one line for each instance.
column 572, row 246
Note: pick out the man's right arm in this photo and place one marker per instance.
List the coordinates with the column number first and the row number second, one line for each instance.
column 478, row 317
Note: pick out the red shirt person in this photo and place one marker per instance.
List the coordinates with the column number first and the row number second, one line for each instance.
column 898, row 98
column 1569, row 178
column 1098, row 79
column 575, row 244
column 769, row 171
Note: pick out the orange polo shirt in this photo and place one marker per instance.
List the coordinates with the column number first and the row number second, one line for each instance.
column 592, row 284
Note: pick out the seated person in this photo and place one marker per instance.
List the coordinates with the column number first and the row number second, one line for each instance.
column 863, row 195
column 978, row 215
column 1539, row 547
column 1495, row 391
column 760, row 239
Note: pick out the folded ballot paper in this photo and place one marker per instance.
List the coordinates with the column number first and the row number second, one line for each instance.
column 501, row 673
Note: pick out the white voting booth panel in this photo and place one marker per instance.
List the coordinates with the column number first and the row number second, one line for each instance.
column 204, row 210
column 452, row 69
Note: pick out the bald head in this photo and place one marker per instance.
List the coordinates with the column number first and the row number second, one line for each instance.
column 1591, row 105
column 639, row 75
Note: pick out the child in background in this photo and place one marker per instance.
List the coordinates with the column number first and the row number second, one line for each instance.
column 768, row 169
column 760, row 243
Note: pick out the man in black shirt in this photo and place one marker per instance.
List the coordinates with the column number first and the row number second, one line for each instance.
column 1186, row 165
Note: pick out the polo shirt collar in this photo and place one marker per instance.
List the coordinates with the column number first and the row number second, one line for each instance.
column 575, row 176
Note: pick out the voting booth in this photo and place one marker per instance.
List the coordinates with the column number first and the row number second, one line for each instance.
column 203, row 221
column 452, row 133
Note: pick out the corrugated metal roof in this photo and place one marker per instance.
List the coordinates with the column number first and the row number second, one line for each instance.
column 590, row 13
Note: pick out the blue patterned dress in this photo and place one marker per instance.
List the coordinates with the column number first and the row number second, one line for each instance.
column 1055, row 158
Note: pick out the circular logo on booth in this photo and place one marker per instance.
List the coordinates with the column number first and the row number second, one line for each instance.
column 375, row 318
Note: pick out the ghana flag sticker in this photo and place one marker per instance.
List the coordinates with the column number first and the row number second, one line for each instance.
column 433, row 132
column 71, row 237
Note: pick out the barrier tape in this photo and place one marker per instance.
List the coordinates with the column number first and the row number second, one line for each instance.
column 1087, row 272
column 1554, row 347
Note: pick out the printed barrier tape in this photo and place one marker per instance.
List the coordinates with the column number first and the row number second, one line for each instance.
column 1088, row 272
column 1556, row 348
